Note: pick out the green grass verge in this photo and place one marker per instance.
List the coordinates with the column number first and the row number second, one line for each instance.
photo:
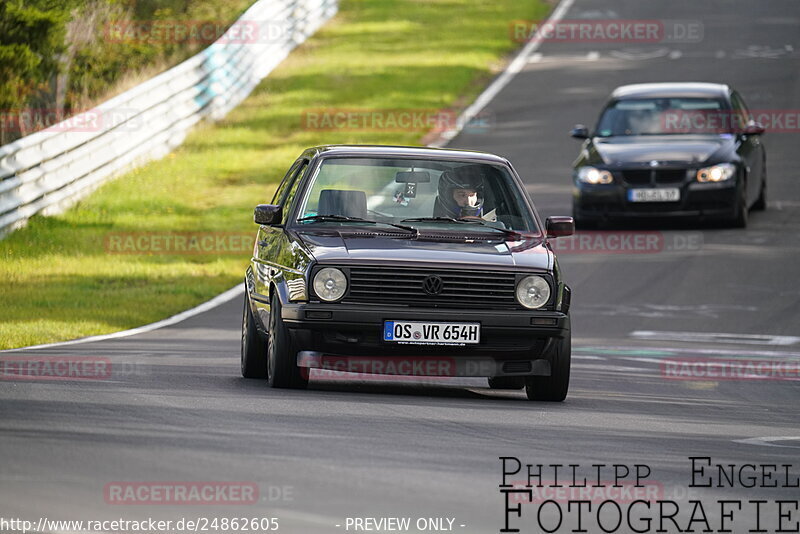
column 57, row 279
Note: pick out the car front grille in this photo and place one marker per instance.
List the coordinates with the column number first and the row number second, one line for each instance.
column 406, row 286
column 649, row 176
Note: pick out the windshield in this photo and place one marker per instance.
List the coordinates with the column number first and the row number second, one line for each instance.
column 664, row 116
column 422, row 194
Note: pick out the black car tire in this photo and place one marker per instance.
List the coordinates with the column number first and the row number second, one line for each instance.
column 254, row 349
column 761, row 201
column 507, row 382
column 740, row 219
column 282, row 369
column 553, row 388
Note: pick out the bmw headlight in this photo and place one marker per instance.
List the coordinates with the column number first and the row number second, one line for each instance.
column 533, row 292
column 590, row 175
column 717, row 173
column 330, row 284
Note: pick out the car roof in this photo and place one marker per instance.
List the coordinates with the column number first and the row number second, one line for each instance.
column 671, row 89
column 405, row 151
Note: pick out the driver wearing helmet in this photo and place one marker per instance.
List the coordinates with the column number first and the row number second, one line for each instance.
column 461, row 193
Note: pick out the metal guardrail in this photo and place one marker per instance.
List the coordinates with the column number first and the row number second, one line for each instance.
column 47, row 171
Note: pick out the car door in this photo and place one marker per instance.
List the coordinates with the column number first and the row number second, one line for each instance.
column 749, row 149
column 272, row 244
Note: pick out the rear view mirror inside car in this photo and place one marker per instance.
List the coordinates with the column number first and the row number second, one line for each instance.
column 412, row 177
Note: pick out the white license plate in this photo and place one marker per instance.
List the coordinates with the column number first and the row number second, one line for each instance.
column 438, row 333
column 663, row 194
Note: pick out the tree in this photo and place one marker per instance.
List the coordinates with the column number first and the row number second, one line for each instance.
column 31, row 42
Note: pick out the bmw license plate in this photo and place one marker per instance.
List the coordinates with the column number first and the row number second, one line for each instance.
column 431, row 333
column 661, row 194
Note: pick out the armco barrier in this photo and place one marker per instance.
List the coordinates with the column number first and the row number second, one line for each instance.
column 47, row 171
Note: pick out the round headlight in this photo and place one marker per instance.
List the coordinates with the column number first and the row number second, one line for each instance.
column 533, row 292
column 330, row 284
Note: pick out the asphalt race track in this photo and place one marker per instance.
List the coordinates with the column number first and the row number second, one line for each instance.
column 176, row 409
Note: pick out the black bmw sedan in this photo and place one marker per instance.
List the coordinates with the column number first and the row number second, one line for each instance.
column 406, row 261
column 670, row 150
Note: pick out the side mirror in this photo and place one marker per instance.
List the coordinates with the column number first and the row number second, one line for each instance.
column 267, row 214
column 753, row 128
column 580, row 132
column 560, row 226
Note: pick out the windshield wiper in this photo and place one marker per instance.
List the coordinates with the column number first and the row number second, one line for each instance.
column 433, row 219
column 344, row 218
column 323, row 218
column 509, row 233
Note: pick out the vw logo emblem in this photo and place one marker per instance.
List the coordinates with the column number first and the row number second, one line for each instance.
column 654, row 163
column 432, row 285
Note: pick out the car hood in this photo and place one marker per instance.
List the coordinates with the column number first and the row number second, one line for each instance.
column 662, row 148
column 532, row 253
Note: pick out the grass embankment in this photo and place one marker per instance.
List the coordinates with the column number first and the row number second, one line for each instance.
column 57, row 279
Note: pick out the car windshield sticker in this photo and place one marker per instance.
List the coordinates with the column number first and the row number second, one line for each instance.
column 400, row 199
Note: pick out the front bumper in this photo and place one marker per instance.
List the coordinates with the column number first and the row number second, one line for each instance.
column 512, row 342
column 697, row 200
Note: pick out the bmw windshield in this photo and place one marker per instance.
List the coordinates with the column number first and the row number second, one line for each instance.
column 420, row 194
column 666, row 116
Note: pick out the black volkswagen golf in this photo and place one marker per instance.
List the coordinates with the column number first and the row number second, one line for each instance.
column 671, row 149
column 406, row 261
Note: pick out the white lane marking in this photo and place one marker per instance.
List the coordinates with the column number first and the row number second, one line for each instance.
column 760, row 52
column 675, row 54
column 768, row 441
column 535, row 58
column 615, row 368
column 651, row 310
column 677, row 350
column 594, row 55
column 587, row 357
column 715, row 337
column 504, row 79
column 638, row 55
column 197, row 310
